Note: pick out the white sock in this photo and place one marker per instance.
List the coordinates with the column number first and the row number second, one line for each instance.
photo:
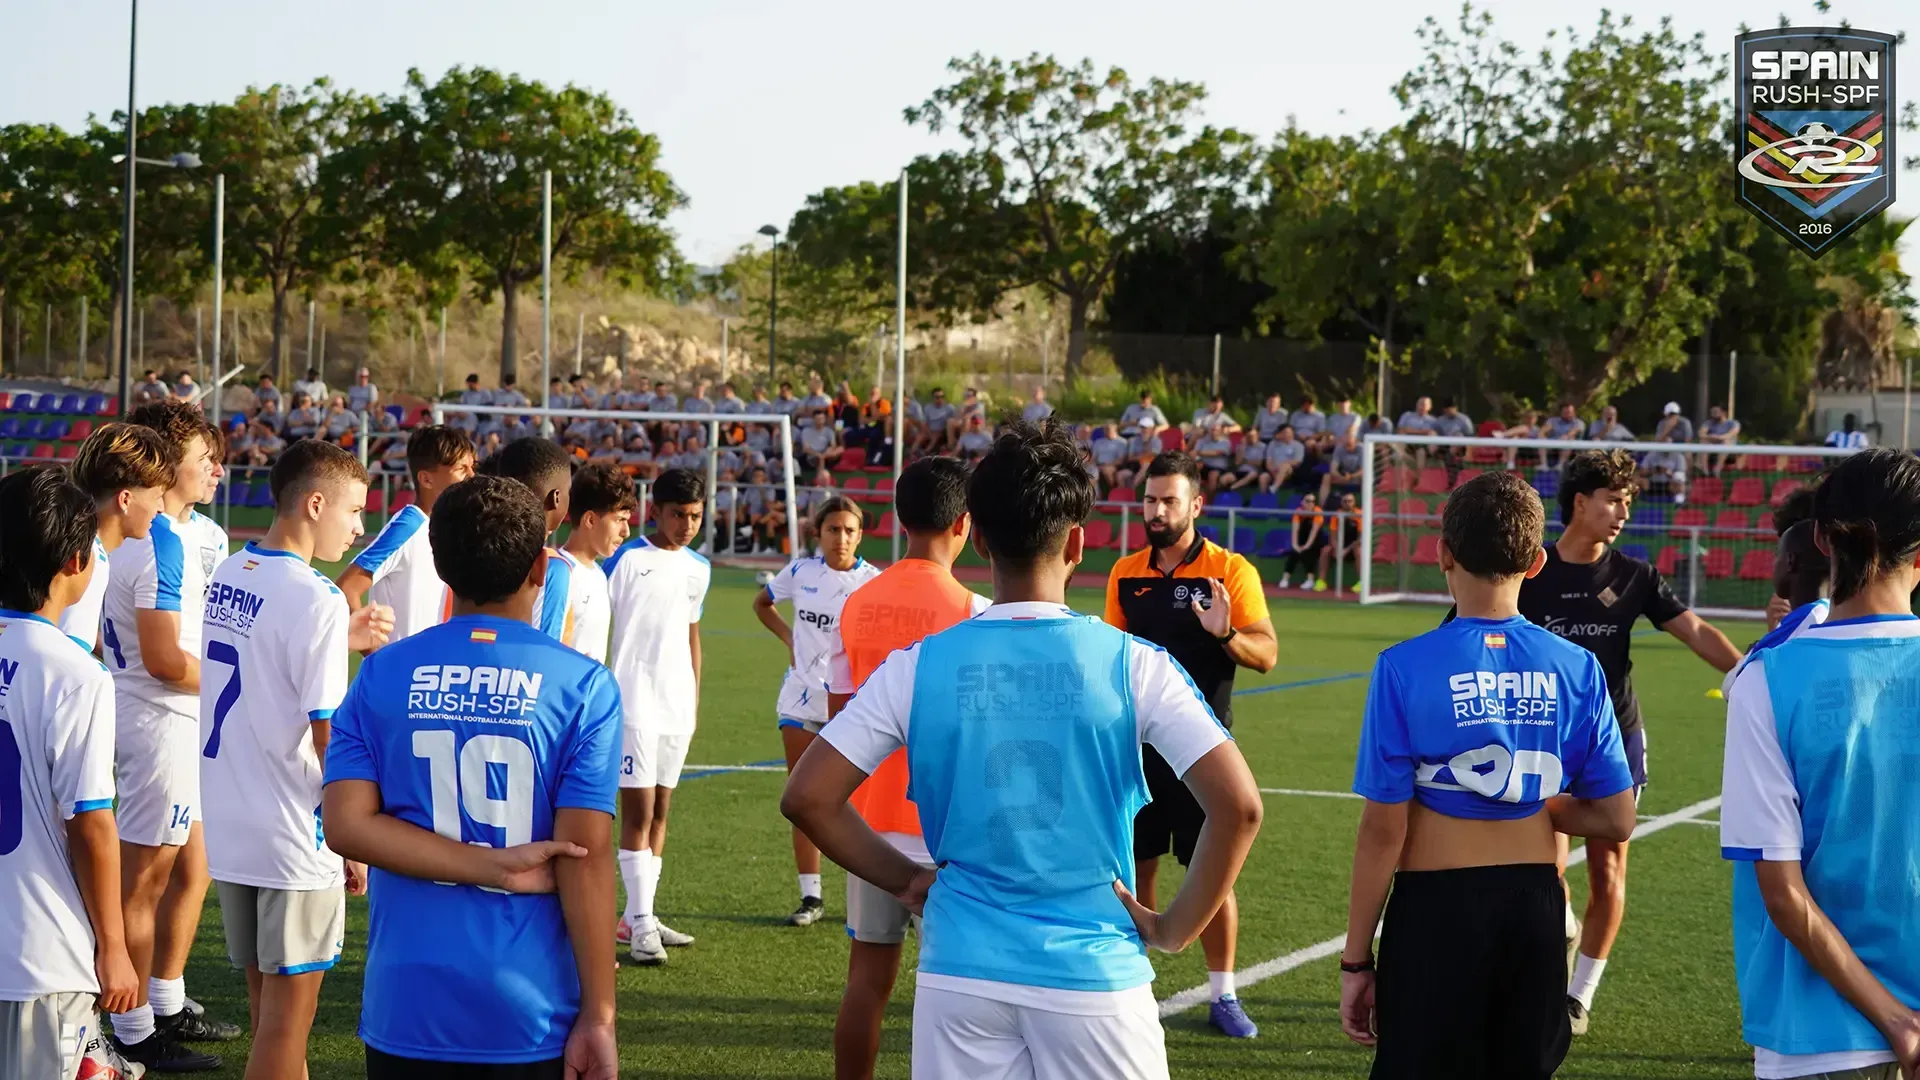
column 652, row 872
column 1220, row 983
column 167, row 996
column 642, row 918
column 630, row 864
column 1586, row 979
column 134, row 1025
column 810, row 885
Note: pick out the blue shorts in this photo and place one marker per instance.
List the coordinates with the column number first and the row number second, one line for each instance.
column 811, row 727
column 1635, row 744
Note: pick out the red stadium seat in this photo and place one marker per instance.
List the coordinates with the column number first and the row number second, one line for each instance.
column 1387, row 549
column 42, row 450
column 1731, row 525
column 1783, row 491
column 1684, row 519
column 1757, row 565
column 1123, row 495
column 1413, row 510
column 1719, row 562
column 854, row 458
column 1433, row 481
column 68, row 451
column 884, row 530
column 6, row 400
column 854, row 487
column 402, row 499
column 1426, row 550
column 1171, row 439
column 376, row 500
column 78, row 432
column 1136, row 535
column 1394, row 479
column 883, row 489
column 1669, row 561
column 1099, row 534
column 1748, row 491
column 1464, row 476
column 1706, row 491
column 1482, row 455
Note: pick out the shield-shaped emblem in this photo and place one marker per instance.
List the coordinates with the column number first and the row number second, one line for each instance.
column 1814, row 132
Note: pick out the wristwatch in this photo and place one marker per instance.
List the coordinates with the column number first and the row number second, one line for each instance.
column 1360, row 968
column 1228, row 636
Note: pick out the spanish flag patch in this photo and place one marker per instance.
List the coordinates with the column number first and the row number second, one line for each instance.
column 1494, row 640
column 487, row 636
column 251, row 564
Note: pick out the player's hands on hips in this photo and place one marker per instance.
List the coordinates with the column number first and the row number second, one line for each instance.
column 1903, row 1038
column 119, row 986
column 1356, row 1006
column 1779, row 607
column 914, row 896
column 1216, row 617
column 370, row 627
column 1146, row 921
column 591, row 1054
column 356, row 877
column 528, row 868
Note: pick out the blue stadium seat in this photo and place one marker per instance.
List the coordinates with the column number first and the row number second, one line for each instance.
column 18, row 450
column 261, row 497
column 1546, row 482
column 70, row 405
column 1292, row 501
column 1217, row 506
column 1211, row 532
column 9, row 428
column 398, row 412
column 1244, row 540
column 22, row 403
column 1634, row 551
column 1276, row 543
column 1264, row 500
column 55, row 429
column 30, row 428
column 94, row 404
column 1651, row 514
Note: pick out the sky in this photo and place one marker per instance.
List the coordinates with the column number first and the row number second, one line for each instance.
column 758, row 104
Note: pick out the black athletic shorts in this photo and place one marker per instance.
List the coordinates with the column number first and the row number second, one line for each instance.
column 1171, row 822
column 1473, row 975
column 388, row 1067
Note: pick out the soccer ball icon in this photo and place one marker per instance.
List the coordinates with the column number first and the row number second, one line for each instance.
column 1816, row 134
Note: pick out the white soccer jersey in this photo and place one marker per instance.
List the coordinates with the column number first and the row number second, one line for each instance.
column 167, row 571
column 56, row 743
column 274, row 662
column 81, row 622
column 585, row 611
column 817, row 592
column 657, row 596
column 400, row 560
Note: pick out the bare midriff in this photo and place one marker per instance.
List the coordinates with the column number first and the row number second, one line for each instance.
column 1438, row 842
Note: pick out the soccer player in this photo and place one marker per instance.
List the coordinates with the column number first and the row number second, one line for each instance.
column 127, row 470
column 150, row 636
column 470, row 764
column 910, row 599
column 546, row 469
column 1592, row 594
column 65, row 948
column 1482, row 739
column 396, row 569
column 1820, row 802
column 600, row 505
column 1023, row 728
column 659, row 587
column 1204, row 605
column 817, row 587
column 276, row 638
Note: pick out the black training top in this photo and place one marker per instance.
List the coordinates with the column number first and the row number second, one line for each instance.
column 1595, row 605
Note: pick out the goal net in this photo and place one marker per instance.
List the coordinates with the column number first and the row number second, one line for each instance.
column 1703, row 515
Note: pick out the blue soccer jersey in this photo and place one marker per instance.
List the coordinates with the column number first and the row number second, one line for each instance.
column 479, row 729
column 1488, row 719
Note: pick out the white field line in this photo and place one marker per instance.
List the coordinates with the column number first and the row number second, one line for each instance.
column 1280, row 965
column 734, row 768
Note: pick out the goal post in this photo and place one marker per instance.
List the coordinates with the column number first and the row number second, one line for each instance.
column 1702, row 515
column 780, row 422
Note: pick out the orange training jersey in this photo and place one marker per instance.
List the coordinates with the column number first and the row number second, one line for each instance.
column 909, row 600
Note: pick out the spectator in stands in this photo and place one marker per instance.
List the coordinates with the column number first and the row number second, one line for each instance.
column 1567, row 425
column 697, row 402
column 394, row 460
column 1527, row 427
column 150, row 388
column 362, row 395
column 1268, row 418
column 730, row 403
column 183, row 385
column 264, row 391
column 1344, row 467
column 558, row 397
column 240, row 444
column 770, row 520
column 1720, row 430
column 1609, row 427
column 1342, row 419
column 1215, row 451
column 1285, row 455
column 1849, row 437
column 606, row 451
column 270, row 414
column 489, row 445
column 1452, row 423
column 1110, row 459
column 845, row 412
column 976, row 440
column 759, row 405
column 303, row 420
column 338, row 421
column 1037, row 409
column 1308, row 422
column 1418, row 420
column 785, row 403
column 254, row 446
column 1309, row 528
column 935, row 417
column 1671, row 422
column 385, row 429
column 473, row 395
column 874, row 432
column 1209, row 416
column 578, row 427
column 1664, row 472
column 584, row 394
column 1143, row 419
column 971, row 405
column 820, row 446
column 1376, row 425
column 663, row 399
column 816, row 398
column 1343, row 541
column 313, row 386
column 637, row 459
column 1249, row 464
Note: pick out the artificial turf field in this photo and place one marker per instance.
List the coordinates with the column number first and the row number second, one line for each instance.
column 756, row 998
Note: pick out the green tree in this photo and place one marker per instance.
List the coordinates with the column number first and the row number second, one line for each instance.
column 828, row 313
column 452, row 170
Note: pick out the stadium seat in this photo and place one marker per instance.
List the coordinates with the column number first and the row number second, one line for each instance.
column 1465, row 475
column 1136, row 535
column 1747, row 491
column 884, row 530
column 1276, row 543
column 1123, row 495
column 1386, row 549
column 109, row 406
column 376, row 500
column 1806, row 464
column 6, row 399
column 1244, row 540
column 1669, row 561
column 402, row 499
column 854, row 458
column 1433, row 481
column 1426, row 550
column 261, row 497
column 398, row 413
column 94, row 404
column 1211, row 532
column 1218, row 505
column 30, row 428
column 70, row 405
column 1292, row 500
column 1685, row 520
column 1546, row 482
column 1099, row 534
column 1264, row 501
column 1413, row 509
column 42, row 451
column 1171, row 439
column 1233, row 439
column 1719, row 562
column 1392, row 480
column 1651, row 516
column 1706, row 491
column 1731, row 525
column 10, row 428
column 1483, row 455
column 883, row 489
column 78, row 431
column 55, row 429
column 1634, row 551
column 1757, row 565
column 1784, row 490
column 855, row 488
column 21, row 403
column 67, row 452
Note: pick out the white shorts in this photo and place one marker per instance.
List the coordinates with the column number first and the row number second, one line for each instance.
column 49, row 1035
column 962, row 1037
column 650, row 760
column 283, row 931
column 156, row 772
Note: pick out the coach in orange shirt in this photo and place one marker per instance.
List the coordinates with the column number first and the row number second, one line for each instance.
column 912, row 598
column 1204, row 605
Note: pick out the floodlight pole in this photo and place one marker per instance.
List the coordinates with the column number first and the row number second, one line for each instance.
column 219, row 279
column 126, row 265
column 546, row 293
column 900, row 359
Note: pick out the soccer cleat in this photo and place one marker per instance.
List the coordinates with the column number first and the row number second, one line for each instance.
column 674, row 939
column 646, row 949
column 189, row 1026
column 1319, row 586
column 810, row 911
column 1232, row 1020
column 160, row 1054
column 1576, row 1015
column 623, row 933
column 196, row 1008
column 101, row 1060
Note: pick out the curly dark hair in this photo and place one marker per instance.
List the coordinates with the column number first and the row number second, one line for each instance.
column 600, row 489
column 486, row 534
column 1589, row 471
column 1493, row 525
column 1029, row 491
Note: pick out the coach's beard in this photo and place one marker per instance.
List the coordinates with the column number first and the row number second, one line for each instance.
column 1163, row 535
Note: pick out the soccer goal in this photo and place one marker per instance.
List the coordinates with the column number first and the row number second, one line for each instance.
column 553, row 421
column 1703, row 516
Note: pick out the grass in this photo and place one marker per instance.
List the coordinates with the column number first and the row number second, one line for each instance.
column 756, row 998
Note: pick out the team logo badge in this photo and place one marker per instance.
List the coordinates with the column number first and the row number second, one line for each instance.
column 1494, row 640
column 487, row 637
column 1814, row 130
column 1607, row 596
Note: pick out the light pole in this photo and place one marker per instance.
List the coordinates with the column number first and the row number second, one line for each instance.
column 773, row 303
column 177, row 161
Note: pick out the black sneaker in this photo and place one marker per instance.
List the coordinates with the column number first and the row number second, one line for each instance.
column 810, row 911
column 162, row 1055
column 189, row 1026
